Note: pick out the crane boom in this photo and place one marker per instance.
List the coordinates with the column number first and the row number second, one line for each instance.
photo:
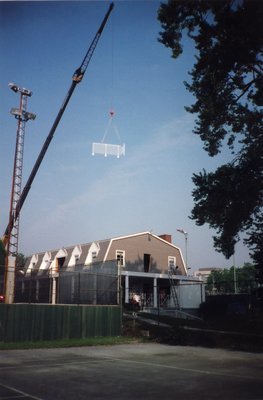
column 77, row 78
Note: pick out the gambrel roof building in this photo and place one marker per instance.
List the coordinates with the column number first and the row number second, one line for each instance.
column 141, row 252
column 143, row 261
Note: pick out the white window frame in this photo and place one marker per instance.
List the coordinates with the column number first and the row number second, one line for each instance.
column 171, row 261
column 120, row 255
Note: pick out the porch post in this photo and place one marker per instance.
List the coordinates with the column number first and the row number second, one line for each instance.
column 127, row 289
column 155, row 300
column 54, row 290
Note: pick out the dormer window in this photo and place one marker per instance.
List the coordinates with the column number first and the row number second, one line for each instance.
column 171, row 262
column 120, row 257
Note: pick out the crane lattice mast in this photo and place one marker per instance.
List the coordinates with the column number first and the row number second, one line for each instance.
column 22, row 117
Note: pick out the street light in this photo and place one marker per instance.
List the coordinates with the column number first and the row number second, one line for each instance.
column 186, row 238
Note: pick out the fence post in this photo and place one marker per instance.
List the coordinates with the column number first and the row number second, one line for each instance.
column 155, row 295
column 118, row 283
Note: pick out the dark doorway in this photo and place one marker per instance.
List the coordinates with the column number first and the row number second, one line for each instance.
column 61, row 261
column 147, row 262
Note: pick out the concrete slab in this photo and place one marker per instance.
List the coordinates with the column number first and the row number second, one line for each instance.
column 136, row 371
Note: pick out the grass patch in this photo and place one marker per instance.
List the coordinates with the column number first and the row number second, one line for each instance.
column 93, row 341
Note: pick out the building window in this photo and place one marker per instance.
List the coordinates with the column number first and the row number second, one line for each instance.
column 171, row 262
column 147, row 262
column 94, row 255
column 120, row 257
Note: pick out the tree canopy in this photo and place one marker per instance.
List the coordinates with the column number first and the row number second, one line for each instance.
column 2, row 256
column 227, row 83
column 20, row 259
column 2, row 266
column 244, row 279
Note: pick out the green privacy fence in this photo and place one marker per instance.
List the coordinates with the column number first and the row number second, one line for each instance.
column 34, row 322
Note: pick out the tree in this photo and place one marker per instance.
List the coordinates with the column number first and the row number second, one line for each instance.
column 220, row 281
column 2, row 266
column 2, row 253
column 227, row 82
column 223, row 281
column 20, row 261
column 255, row 241
column 20, row 258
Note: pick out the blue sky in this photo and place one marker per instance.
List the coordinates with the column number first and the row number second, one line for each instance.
column 78, row 198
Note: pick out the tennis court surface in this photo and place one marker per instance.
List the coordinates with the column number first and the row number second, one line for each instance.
column 135, row 371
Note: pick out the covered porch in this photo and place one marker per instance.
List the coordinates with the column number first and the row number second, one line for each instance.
column 153, row 290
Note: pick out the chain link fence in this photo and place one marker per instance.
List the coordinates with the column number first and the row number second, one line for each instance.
column 97, row 284
column 231, row 287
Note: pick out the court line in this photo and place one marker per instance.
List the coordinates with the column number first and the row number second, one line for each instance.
column 149, row 364
column 20, row 392
column 199, row 371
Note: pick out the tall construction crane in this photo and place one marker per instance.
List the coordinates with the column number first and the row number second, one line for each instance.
column 76, row 79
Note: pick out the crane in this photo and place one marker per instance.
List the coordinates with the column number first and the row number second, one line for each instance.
column 76, row 79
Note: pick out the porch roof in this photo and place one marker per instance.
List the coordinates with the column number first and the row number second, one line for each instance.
column 160, row 276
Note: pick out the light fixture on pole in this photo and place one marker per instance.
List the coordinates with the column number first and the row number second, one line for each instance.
column 186, row 238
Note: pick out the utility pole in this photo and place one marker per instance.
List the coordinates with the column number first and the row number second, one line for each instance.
column 186, row 239
column 235, row 274
column 11, row 239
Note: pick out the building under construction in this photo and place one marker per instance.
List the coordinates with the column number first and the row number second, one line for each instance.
column 140, row 269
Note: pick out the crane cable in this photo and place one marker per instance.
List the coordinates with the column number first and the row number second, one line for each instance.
column 111, row 124
column 112, row 79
